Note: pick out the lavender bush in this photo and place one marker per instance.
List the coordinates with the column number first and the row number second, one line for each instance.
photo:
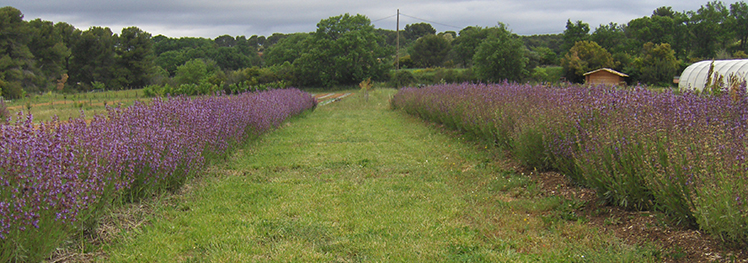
column 56, row 177
column 683, row 154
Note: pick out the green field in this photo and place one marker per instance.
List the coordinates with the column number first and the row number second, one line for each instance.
column 357, row 182
column 66, row 106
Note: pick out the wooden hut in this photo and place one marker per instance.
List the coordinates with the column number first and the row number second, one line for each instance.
column 605, row 76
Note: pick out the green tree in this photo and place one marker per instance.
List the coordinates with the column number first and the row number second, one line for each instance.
column 665, row 26
column 575, row 32
column 49, row 50
column 344, row 50
column 229, row 58
column 163, row 44
column 93, row 58
column 248, row 50
column 261, row 41
column 287, row 49
column 16, row 60
column 657, row 64
column 196, row 71
column 271, row 40
column 390, row 36
column 707, row 29
column 739, row 25
column 655, row 29
column 501, row 57
column 68, row 33
column 468, row 41
column 225, row 41
column 135, row 57
column 551, row 41
column 583, row 57
column 170, row 60
column 430, row 51
column 545, row 56
column 665, row 11
column 611, row 37
column 417, row 30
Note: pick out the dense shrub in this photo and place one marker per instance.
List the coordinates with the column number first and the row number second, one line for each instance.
column 56, row 177
column 402, row 78
column 231, row 82
column 431, row 76
column 683, row 154
column 12, row 90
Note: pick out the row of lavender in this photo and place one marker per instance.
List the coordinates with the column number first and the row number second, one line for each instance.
column 55, row 177
column 682, row 154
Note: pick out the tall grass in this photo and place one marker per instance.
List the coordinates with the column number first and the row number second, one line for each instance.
column 683, row 154
column 56, row 177
column 4, row 113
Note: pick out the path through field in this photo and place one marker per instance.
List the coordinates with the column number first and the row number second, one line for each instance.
column 353, row 182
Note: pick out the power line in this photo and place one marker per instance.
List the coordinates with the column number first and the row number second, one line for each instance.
column 424, row 20
column 384, row 18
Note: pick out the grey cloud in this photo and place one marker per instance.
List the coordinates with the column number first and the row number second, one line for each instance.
column 241, row 17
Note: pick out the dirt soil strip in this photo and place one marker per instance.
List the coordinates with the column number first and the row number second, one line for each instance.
column 319, row 97
column 328, row 98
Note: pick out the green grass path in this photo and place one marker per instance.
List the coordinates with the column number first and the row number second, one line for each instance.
column 356, row 182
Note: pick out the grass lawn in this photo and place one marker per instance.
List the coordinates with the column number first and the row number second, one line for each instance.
column 357, row 182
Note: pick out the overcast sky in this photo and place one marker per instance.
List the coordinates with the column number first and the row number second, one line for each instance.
column 200, row 18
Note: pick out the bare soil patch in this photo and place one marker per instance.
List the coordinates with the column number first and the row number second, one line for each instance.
column 326, row 98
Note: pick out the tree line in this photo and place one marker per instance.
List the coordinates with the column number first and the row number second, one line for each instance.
column 651, row 49
column 40, row 56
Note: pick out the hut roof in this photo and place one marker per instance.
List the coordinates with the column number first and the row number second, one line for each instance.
column 608, row 70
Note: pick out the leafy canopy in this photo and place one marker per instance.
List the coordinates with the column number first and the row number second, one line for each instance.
column 501, row 57
column 583, row 57
column 430, row 51
column 343, row 51
column 657, row 63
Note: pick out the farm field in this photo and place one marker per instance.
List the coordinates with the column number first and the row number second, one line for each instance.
column 66, row 106
column 356, row 181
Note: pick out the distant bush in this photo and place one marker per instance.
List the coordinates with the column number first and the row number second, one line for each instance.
column 431, row 76
column 231, row 82
column 406, row 62
column 454, row 76
column 12, row 90
column 547, row 74
column 402, row 78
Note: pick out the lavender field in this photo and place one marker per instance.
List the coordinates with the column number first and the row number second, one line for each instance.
column 56, row 178
column 682, row 154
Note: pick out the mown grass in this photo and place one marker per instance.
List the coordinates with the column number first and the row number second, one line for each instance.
column 357, row 182
column 66, row 106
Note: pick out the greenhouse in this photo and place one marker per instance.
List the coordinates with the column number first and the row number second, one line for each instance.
column 694, row 77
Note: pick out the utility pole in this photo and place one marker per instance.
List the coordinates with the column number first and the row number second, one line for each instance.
column 397, row 53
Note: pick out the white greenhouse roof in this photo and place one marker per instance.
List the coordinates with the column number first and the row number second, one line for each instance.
column 695, row 75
